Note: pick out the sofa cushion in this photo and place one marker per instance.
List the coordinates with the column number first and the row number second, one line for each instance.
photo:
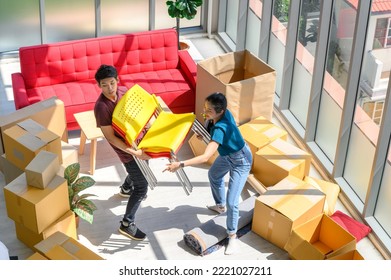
column 169, row 84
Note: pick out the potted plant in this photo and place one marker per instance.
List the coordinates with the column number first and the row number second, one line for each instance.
column 179, row 9
column 79, row 204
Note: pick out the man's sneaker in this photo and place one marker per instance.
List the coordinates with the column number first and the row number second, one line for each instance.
column 216, row 208
column 125, row 192
column 132, row 232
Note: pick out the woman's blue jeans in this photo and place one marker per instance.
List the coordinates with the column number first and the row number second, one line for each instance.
column 238, row 165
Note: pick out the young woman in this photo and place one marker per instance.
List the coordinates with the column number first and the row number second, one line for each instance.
column 234, row 158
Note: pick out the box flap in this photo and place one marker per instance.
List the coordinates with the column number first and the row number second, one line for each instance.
column 56, row 238
column 330, row 189
column 31, row 142
column 47, row 136
column 31, row 126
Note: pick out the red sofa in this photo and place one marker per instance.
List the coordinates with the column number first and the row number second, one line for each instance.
column 66, row 70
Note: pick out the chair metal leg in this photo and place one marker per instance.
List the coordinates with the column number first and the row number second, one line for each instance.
column 147, row 172
column 200, row 129
column 186, row 184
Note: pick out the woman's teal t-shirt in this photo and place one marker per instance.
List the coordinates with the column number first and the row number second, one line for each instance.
column 227, row 135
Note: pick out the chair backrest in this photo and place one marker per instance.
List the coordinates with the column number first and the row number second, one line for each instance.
column 133, row 112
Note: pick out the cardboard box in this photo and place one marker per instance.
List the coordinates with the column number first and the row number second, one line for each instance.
column 23, row 141
column 9, row 170
column 247, row 82
column 331, row 191
column 65, row 224
column 36, row 257
column 59, row 246
column 277, row 160
column 50, row 113
column 319, row 238
column 283, row 207
column 260, row 132
column 351, row 255
column 69, row 155
column 36, row 208
column 198, row 147
column 42, row 169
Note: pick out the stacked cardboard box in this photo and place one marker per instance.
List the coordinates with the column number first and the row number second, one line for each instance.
column 286, row 205
column 293, row 216
column 277, row 160
column 11, row 171
column 36, row 197
column 260, row 132
column 23, row 141
column 39, row 212
column 49, row 113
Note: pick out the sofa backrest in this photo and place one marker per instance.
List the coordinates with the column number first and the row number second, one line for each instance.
column 78, row 60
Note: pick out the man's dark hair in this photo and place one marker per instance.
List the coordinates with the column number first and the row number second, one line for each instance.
column 218, row 101
column 105, row 71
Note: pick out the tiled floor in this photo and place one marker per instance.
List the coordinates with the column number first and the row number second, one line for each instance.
column 165, row 215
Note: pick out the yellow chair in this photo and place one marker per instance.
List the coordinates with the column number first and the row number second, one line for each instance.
column 140, row 120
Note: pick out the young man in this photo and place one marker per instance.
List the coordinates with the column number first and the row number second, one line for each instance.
column 135, row 186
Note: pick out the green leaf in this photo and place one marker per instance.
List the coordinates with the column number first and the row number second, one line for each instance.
column 83, row 214
column 83, row 183
column 85, row 209
column 71, row 172
column 183, row 8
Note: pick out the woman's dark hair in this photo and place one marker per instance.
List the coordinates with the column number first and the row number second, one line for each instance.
column 105, row 71
column 218, row 101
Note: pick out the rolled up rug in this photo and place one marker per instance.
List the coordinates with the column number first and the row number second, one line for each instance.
column 213, row 231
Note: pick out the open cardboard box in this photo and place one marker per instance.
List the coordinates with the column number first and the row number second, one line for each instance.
column 351, row 255
column 246, row 81
column 319, row 238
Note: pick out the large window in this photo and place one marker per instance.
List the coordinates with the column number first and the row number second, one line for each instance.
column 59, row 14
column 278, row 39
column 27, row 22
column 368, row 113
column 123, row 16
column 335, row 78
column 19, row 24
column 305, row 57
column 253, row 30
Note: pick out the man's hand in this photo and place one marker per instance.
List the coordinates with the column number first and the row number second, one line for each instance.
column 138, row 153
column 142, row 155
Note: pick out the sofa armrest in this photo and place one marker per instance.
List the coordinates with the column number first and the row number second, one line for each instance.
column 19, row 90
column 188, row 66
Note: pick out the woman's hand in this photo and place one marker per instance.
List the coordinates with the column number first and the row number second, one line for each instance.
column 173, row 166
